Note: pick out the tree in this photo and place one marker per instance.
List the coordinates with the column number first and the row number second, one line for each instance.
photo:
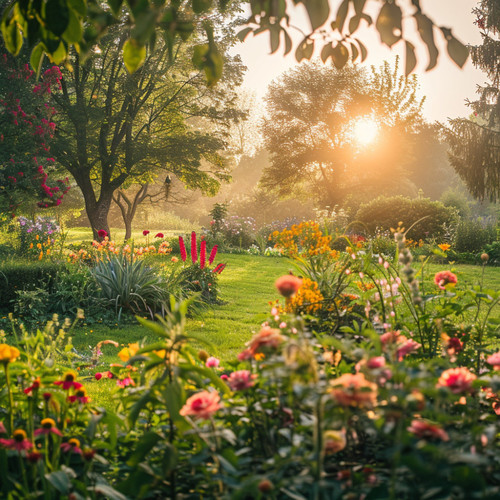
column 117, row 127
column 54, row 26
column 475, row 142
column 312, row 111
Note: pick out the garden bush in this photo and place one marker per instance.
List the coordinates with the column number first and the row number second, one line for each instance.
column 473, row 235
column 385, row 213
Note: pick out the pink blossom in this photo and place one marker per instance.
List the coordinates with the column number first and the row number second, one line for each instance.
column 407, row 347
column 424, row 429
column 376, row 362
column 458, row 380
column 494, row 360
column 201, row 405
column 212, row 362
column 241, row 380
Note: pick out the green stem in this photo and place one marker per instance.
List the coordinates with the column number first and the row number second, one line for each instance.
column 11, row 397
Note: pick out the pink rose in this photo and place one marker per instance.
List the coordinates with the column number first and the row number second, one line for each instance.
column 201, row 405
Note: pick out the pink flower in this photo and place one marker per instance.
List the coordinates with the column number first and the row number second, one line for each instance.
column 18, row 442
column 354, row 390
column 458, row 380
column 245, row 355
column 212, row 362
column 201, row 405
column 182, row 248
column 494, row 360
column 406, row 347
column 98, row 376
column 125, row 382
column 424, row 429
column 102, row 233
column 145, row 232
column 194, row 250
column 159, row 235
column 203, row 254
column 389, row 337
column 213, row 253
column 241, row 380
column 3, row 430
column 72, row 446
column 68, row 382
column 376, row 362
column 444, row 278
column 48, row 427
column 288, row 285
column 267, row 338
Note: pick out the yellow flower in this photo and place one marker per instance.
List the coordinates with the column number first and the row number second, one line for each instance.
column 444, row 247
column 40, row 257
column 8, row 353
column 127, row 352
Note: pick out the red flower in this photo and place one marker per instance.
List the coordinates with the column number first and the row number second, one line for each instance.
column 102, row 233
column 457, row 380
column 194, row 250
column 125, row 382
column 182, row 248
column 267, row 338
column 444, row 278
column 98, row 376
column 80, row 396
column 72, row 446
column 288, row 285
column 68, row 382
column 33, row 387
column 145, row 232
column 18, row 442
column 219, row 268
column 159, row 235
column 213, row 253
column 203, row 253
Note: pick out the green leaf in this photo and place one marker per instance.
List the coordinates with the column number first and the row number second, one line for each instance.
column 108, row 492
column 174, row 396
column 59, row 55
column 274, row 37
column 341, row 15
column 318, row 12
column 389, row 24
column 80, row 6
column 12, row 37
column 134, row 55
column 305, row 50
column 142, row 447
column 411, row 59
column 60, row 481
column 137, row 407
column 206, row 57
column 288, row 42
column 169, row 458
column 425, row 29
column 340, row 55
column 56, row 15
column 200, row 6
column 115, row 5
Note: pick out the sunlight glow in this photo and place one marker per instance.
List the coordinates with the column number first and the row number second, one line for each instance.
column 365, row 131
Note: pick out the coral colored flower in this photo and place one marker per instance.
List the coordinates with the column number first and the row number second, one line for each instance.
column 424, row 429
column 159, row 235
column 72, row 446
column 68, row 381
column 125, row 382
column 182, row 248
column 458, row 380
column 241, row 380
column 444, row 247
column 354, row 390
column 288, row 285
column 203, row 254
column 201, row 405
column 128, row 352
column 8, row 353
column 194, row 250
column 213, row 253
column 212, row 362
column 267, row 338
column 174, row 259
column 48, row 427
column 390, row 337
column 80, row 396
column 407, row 347
column 102, row 233
column 494, row 360
column 444, row 278
column 33, row 387
column 18, row 442
column 376, row 362
column 245, row 355
column 145, row 232
column 334, row 441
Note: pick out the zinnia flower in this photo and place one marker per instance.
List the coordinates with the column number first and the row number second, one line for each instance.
column 425, row 429
column 241, row 380
column 174, row 259
column 354, row 390
column 494, row 360
column 18, row 442
column 376, row 362
column 201, row 405
column 102, row 233
column 48, row 427
column 68, row 381
column 8, row 353
column 267, row 338
column 159, row 235
column 444, row 278
column 288, row 285
column 128, row 352
column 458, row 380
column 212, row 362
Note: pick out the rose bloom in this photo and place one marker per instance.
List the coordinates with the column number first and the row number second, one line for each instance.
column 453, row 344
column 424, row 429
column 127, row 352
column 267, row 338
column 8, row 353
column 407, row 347
column 201, row 405
column 444, row 278
column 494, row 360
column 354, row 390
column 241, row 380
column 458, row 380
column 288, row 285
column 212, row 362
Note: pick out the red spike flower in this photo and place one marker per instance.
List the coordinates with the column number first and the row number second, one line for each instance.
column 213, row 253
column 182, row 248
column 203, row 254
column 194, row 250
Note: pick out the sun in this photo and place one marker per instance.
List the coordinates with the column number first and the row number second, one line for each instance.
column 365, row 131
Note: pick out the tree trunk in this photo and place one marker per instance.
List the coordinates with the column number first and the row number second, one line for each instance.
column 98, row 215
column 128, row 207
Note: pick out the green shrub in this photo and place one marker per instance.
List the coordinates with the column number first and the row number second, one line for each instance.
column 473, row 235
column 385, row 213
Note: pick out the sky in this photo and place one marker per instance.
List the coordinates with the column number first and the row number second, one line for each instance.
column 445, row 87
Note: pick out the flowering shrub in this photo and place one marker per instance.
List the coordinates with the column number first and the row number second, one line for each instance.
column 37, row 237
column 238, row 231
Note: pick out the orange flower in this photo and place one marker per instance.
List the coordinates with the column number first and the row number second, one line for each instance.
column 267, row 338
column 201, row 405
column 458, row 380
column 354, row 390
column 8, row 353
column 444, row 247
column 288, row 285
column 128, row 352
